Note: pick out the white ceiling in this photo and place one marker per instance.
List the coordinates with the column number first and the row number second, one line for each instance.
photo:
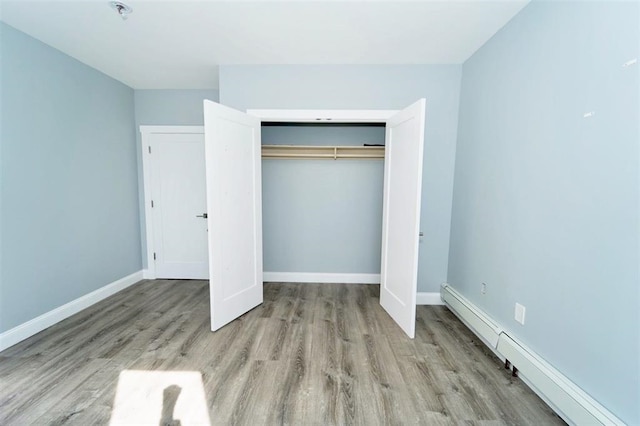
column 179, row 44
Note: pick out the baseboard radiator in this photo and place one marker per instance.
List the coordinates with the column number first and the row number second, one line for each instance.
column 472, row 317
column 568, row 400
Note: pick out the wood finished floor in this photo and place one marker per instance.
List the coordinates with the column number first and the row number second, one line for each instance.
column 312, row 354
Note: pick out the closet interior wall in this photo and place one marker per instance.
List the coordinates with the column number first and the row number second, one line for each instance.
column 322, row 215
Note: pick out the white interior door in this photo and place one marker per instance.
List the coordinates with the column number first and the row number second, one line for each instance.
column 234, row 201
column 401, row 215
column 179, row 204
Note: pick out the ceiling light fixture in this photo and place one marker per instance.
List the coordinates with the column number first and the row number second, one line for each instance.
column 122, row 9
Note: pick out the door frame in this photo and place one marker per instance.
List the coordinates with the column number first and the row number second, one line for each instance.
column 146, row 134
column 323, row 116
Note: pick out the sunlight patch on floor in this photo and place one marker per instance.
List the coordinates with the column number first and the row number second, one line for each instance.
column 160, row 397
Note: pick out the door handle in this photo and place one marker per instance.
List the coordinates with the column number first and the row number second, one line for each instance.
column 421, row 234
column 203, row 215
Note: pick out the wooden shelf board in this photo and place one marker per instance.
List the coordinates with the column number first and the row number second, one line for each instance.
column 322, row 152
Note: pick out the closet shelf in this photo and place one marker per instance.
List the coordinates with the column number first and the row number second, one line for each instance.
column 322, row 152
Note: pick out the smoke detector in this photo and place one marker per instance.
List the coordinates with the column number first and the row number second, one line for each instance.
column 123, row 10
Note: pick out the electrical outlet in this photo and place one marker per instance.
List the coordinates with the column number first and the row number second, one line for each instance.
column 483, row 288
column 520, row 311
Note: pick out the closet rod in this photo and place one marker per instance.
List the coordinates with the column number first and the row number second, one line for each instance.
column 322, row 152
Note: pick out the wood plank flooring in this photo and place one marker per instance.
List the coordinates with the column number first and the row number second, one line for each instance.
column 312, row 354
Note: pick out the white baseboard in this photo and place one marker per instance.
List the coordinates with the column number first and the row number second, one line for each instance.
column 565, row 397
column 312, row 277
column 474, row 318
column 570, row 402
column 424, row 298
column 147, row 274
column 46, row 320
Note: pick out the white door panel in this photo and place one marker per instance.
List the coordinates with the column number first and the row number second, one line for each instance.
column 234, row 191
column 179, row 195
column 401, row 215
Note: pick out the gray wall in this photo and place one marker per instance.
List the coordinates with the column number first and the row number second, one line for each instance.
column 171, row 107
column 165, row 108
column 365, row 87
column 546, row 201
column 68, row 169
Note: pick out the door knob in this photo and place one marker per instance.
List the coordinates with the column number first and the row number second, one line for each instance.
column 203, row 215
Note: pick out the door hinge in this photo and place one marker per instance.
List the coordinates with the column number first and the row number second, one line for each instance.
column 149, row 149
column 154, row 255
column 151, row 203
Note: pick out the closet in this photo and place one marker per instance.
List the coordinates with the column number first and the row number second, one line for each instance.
column 322, row 201
column 233, row 157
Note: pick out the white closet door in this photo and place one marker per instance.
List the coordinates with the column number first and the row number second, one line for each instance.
column 234, row 192
column 401, row 215
column 179, row 205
